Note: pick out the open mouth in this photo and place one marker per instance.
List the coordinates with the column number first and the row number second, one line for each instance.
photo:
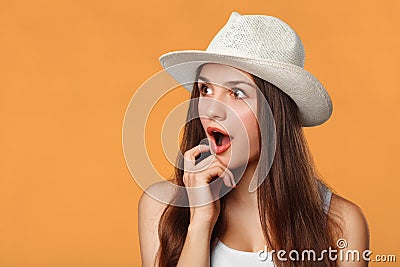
column 220, row 138
column 221, row 141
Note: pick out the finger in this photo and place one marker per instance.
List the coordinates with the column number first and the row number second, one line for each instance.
column 215, row 163
column 233, row 181
column 227, row 180
column 211, row 159
column 221, row 173
column 202, row 148
column 205, row 163
column 230, row 177
column 208, row 162
column 190, row 155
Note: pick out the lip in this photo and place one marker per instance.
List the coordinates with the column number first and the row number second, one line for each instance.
column 214, row 147
column 211, row 129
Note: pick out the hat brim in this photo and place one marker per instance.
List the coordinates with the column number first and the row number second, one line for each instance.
column 305, row 89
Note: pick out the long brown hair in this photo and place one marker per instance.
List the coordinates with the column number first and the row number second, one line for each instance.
column 289, row 199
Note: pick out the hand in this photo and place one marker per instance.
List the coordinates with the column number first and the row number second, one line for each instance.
column 197, row 178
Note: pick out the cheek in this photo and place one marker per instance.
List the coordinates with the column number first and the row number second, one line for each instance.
column 246, row 147
column 250, row 123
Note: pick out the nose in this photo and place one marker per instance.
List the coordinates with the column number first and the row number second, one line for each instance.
column 216, row 108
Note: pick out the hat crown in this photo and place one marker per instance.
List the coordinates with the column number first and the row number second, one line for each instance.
column 259, row 37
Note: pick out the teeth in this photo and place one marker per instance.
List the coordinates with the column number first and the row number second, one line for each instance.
column 217, row 132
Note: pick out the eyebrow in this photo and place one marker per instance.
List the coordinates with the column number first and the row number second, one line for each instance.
column 227, row 83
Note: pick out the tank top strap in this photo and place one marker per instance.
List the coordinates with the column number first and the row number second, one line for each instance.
column 327, row 195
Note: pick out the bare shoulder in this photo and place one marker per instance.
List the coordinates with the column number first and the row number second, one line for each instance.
column 350, row 212
column 354, row 225
column 150, row 202
column 149, row 214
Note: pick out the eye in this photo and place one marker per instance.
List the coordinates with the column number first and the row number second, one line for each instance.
column 239, row 94
column 203, row 89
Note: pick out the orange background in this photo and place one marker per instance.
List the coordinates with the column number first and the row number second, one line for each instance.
column 69, row 69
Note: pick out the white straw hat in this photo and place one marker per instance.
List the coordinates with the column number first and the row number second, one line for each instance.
column 264, row 46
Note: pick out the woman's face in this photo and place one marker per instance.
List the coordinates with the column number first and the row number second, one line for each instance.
column 228, row 103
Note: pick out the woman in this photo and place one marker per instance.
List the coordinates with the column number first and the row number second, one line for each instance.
column 264, row 207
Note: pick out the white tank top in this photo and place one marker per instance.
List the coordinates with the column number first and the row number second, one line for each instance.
column 224, row 256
